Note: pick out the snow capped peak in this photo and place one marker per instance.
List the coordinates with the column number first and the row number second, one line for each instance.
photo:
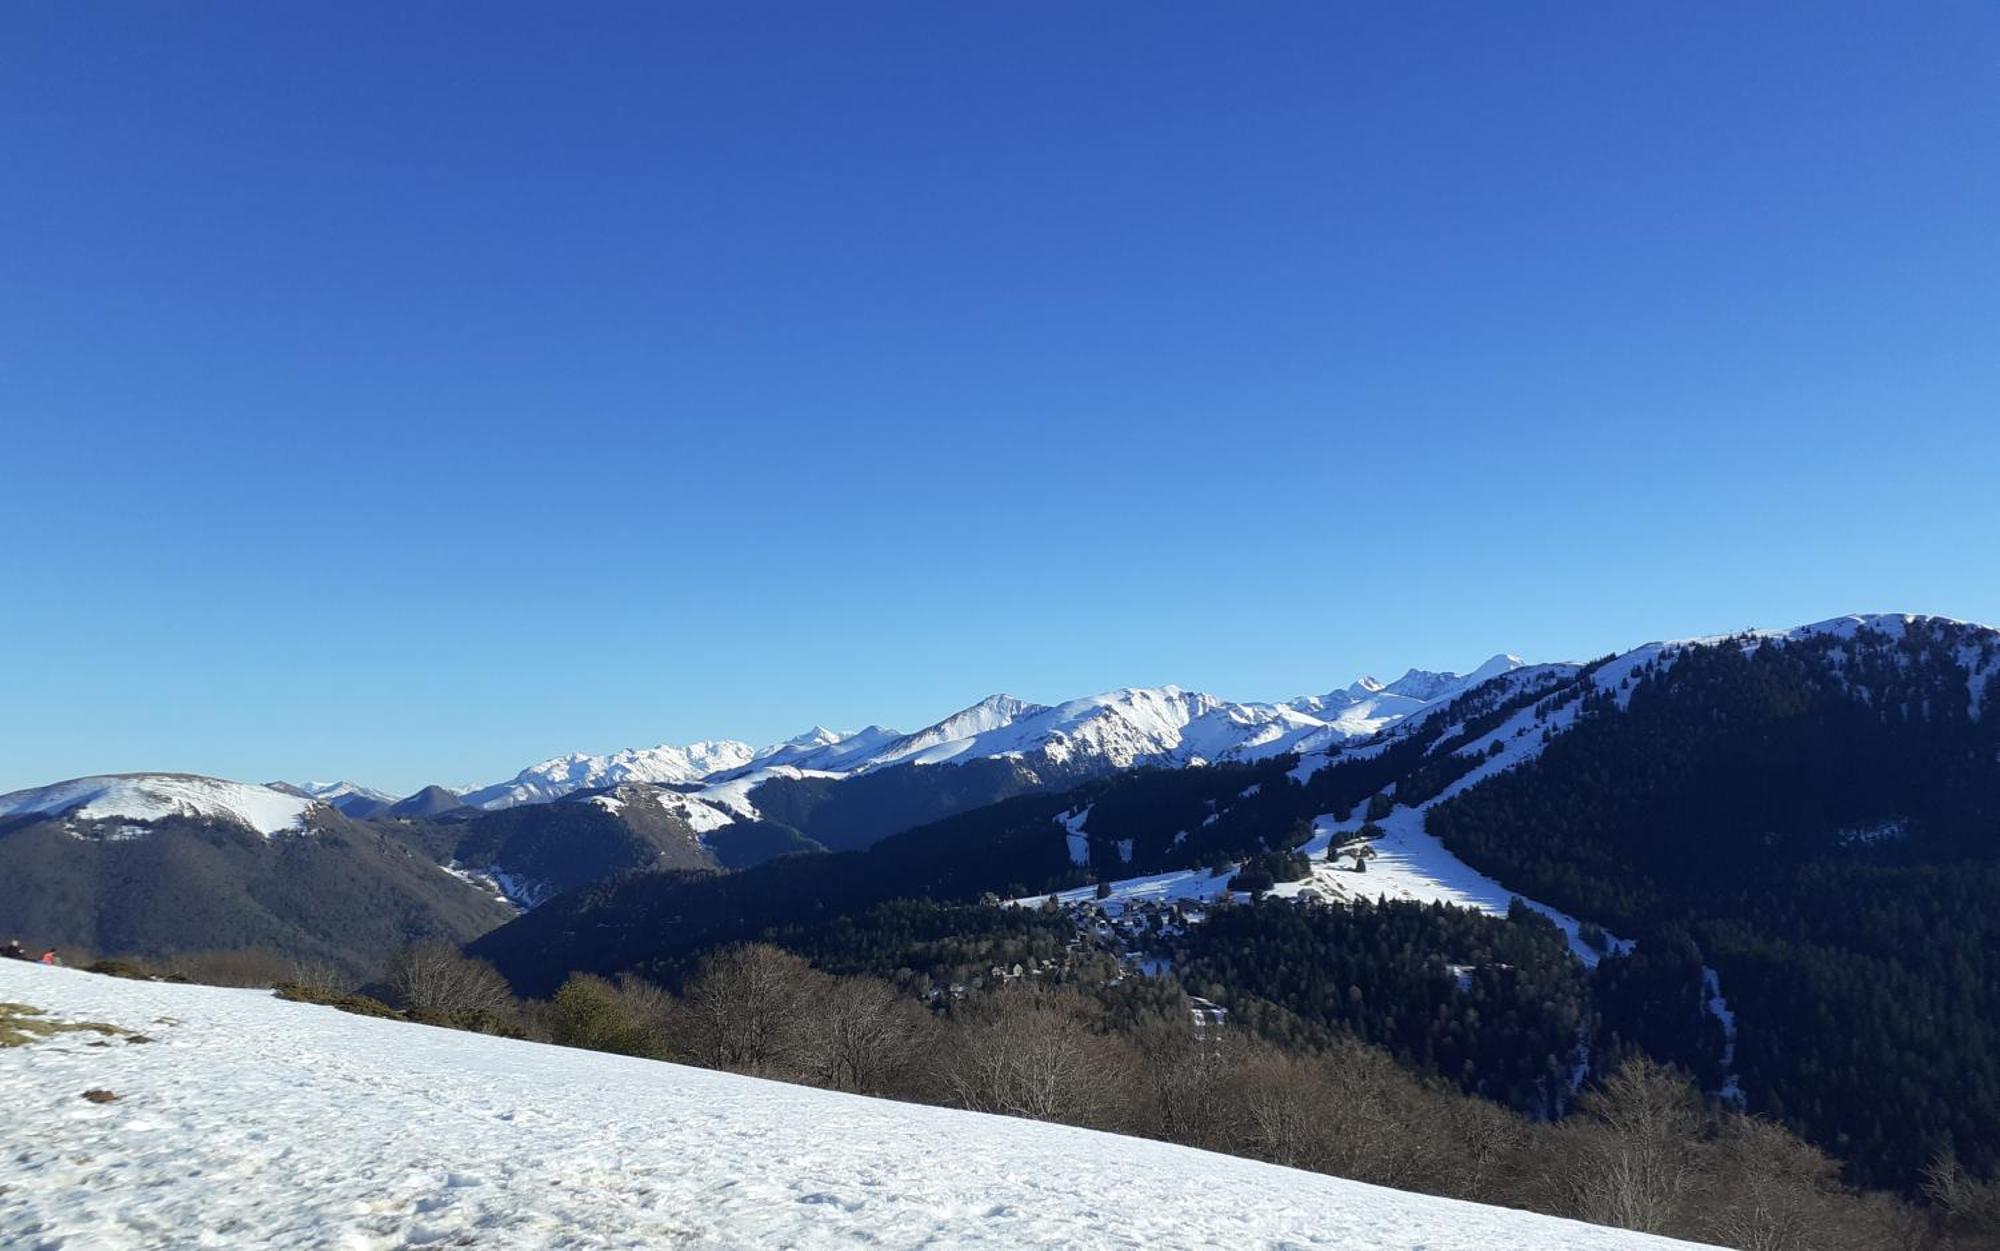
column 1371, row 699
column 560, row 775
column 340, row 790
column 147, row 797
column 1421, row 684
column 1502, row 662
column 1115, row 729
column 995, row 712
column 1429, row 686
column 820, row 749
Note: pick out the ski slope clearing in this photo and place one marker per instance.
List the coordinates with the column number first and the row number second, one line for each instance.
column 248, row 1121
column 1410, row 863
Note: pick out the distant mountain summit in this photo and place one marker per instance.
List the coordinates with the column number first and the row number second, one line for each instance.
column 428, row 802
column 827, row 750
column 1427, row 686
column 1423, row 686
column 350, row 798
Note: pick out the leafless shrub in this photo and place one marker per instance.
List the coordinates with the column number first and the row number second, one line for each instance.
column 1485, row 1147
column 319, row 976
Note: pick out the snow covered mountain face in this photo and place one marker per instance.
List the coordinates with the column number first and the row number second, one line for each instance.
column 552, row 779
column 1114, row 730
column 826, row 750
column 149, row 797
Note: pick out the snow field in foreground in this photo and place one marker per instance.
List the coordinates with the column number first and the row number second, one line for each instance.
column 249, row 1121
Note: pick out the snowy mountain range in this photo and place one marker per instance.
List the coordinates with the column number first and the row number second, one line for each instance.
column 1113, row 730
column 709, row 782
column 114, row 842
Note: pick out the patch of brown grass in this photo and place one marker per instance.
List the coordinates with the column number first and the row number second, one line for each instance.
column 359, row 1005
column 22, row 1023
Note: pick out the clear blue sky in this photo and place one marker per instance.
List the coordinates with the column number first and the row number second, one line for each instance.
column 412, row 392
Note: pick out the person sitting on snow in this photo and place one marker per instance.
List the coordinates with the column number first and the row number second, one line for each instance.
column 14, row 950
column 50, row 957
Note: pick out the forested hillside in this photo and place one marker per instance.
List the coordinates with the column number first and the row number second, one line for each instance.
column 1820, row 817
column 335, row 892
column 1803, row 824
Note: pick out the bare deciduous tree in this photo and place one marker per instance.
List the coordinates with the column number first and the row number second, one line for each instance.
column 1768, row 1190
column 1347, row 1112
column 1182, row 1078
column 744, row 1011
column 1968, row 1210
column 436, row 980
column 857, row 1034
column 1634, row 1154
column 1486, row 1145
column 1034, row 1054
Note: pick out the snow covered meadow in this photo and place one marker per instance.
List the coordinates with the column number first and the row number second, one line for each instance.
column 250, row 1121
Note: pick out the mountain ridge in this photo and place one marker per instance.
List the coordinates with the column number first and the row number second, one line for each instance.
column 1120, row 727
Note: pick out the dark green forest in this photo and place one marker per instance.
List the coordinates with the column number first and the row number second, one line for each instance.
column 1819, row 820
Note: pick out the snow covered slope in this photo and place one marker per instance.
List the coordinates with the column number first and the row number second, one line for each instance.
column 157, row 796
column 251, row 1122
